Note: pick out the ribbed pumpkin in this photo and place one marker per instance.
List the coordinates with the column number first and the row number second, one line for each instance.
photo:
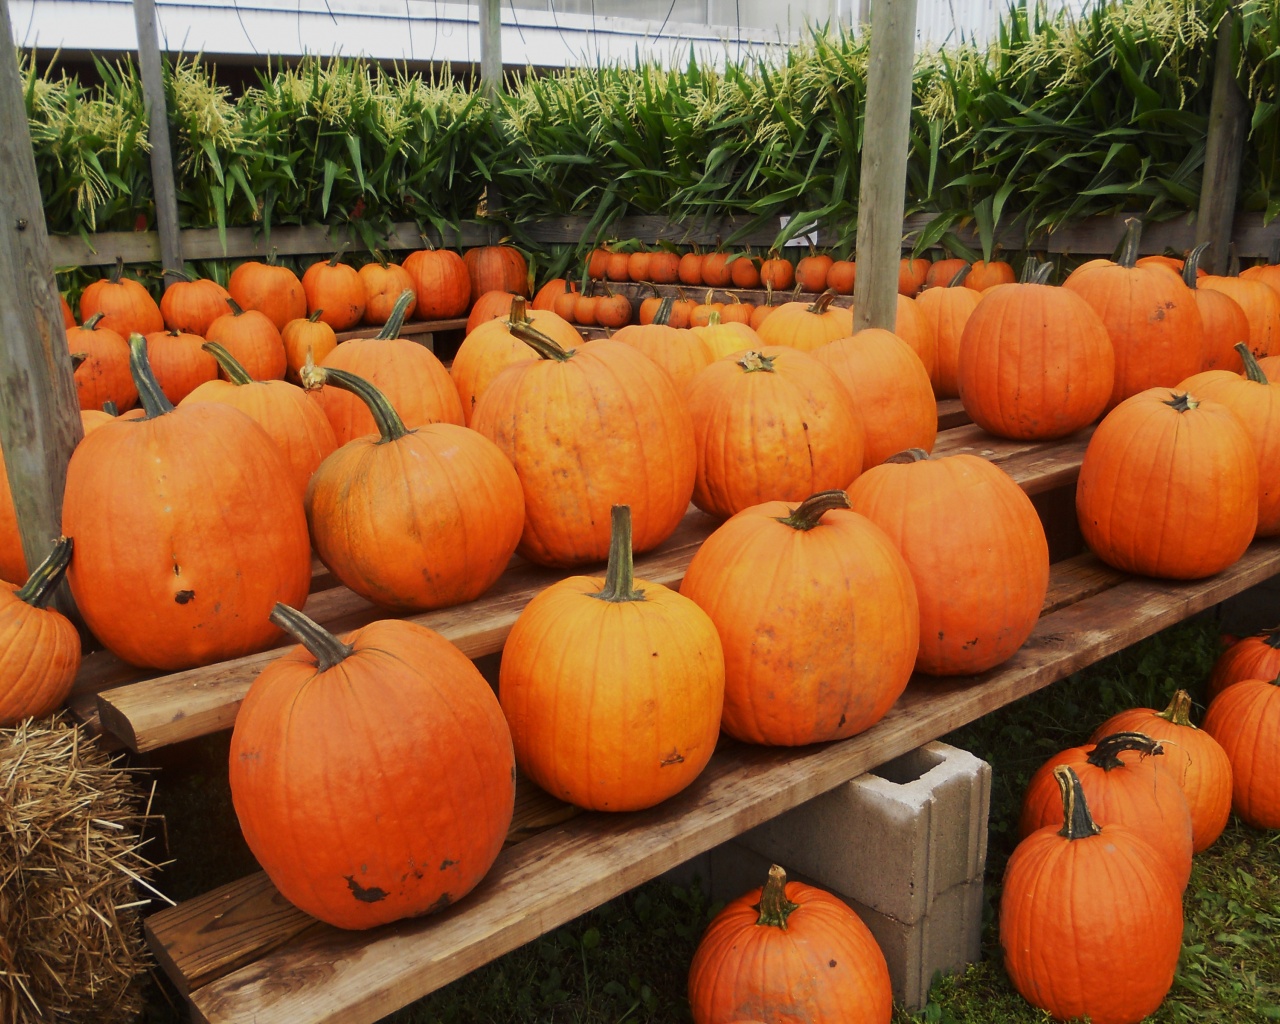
column 890, row 390
column 13, row 563
column 372, row 775
column 190, row 304
column 664, row 267
column 497, row 268
column 103, row 375
column 545, row 297
column 789, row 952
column 415, row 382
column 911, row 275
column 824, row 650
column 92, row 419
column 976, row 550
column 491, row 348
column 945, row 311
column 188, row 530
column 440, row 282
column 612, row 687
column 807, row 326
column 716, row 272
column 1254, row 657
column 690, row 269
column 842, row 278
column 1187, row 514
column 413, row 519
column 490, row 306
column 589, row 428
column 943, row 273
column 39, row 646
column 984, row 275
column 613, row 310
column 1138, row 790
column 700, row 315
column 770, row 424
column 811, row 272
column 384, row 282
column 308, row 337
column 638, row 266
column 597, row 263
column 618, row 267
column 727, row 338
column 1245, row 720
column 1266, row 273
column 1151, row 317
column 681, row 353
column 1225, row 324
column 777, row 274
column 735, row 311
column 251, row 336
column 745, row 272
column 179, row 362
column 1171, row 262
column 336, row 289
column 914, row 329
column 1035, row 361
column 1090, row 919
column 125, row 304
column 1194, row 757
column 292, row 418
column 272, row 290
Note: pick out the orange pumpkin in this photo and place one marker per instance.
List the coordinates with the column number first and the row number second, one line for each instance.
column 389, row 703
column 984, row 275
column 944, row 273
column 620, row 731
column 745, row 272
column 794, row 947
column 701, row 314
column 613, row 310
column 68, row 318
column 490, row 306
column 1245, row 720
column 336, row 290
column 945, row 311
column 272, row 290
column 727, row 338
column 307, row 338
column 911, row 276
column 597, row 264
column 716, row 271
column 1266, row 273
column 812, row 271
column 845, row 595
column 190, row 305
column 565, row 304
column 251, row 337
column 1225, row 323
column 179, row 362
column 384, row 282
column 496, row 268
column 1254, row 657
column 638, row 266
column 125, row 304
column 103, row 374
column 777, row 274
column 690, row 270
column 440, row 282
column 192, row 513
column 39, row 646
column 545, row 298
column 681, row 353
column 618, row 267
column 807, row 326
column 912, row 327
column 842, row 278
column 664, row 267
column 1261, row 306
column 1170, row 262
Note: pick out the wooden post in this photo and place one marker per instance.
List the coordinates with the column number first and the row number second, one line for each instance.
column 491, row 47
column 39, row 411
column 884, row 163
column 1224, row 152
column 166, row 194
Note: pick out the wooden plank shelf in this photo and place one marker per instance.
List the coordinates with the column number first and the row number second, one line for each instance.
column 243, row 954
column 412, row 329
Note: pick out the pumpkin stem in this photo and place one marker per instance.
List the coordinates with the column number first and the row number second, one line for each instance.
column 960, row 275
column 663, row 316
column 391, row 329
column 756, row 362
column 236, row 373
column 1077, row 822
column 519, row 311
column 547, row 348
column 824, row 300
column 92, row 323
column 713, row 318
column 908, row 456
column 273, row 257
column 117, row 271
column 1273, row 640
column 333, row 260
column 390, row 426
column 809, row 512
column 78, row 360
column 774, row 907
column 154, row 401
column 1179, row 710
column 1182, row 402
column 1042, row 273
column 327, row 649
column 180, row 274
column 619, row 578
column 1106, row 752
column 314, row 318
column 109, row 407
column 1132, row 237
column 40, row 585
column 1252, row 370
column 1191, row 265
column 236, row 309
column 382, row 258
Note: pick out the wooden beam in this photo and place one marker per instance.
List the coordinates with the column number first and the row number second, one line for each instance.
column 491, row 47
column 39, row 411
column 162, row 183
column 884, row 163
column 1224, row 151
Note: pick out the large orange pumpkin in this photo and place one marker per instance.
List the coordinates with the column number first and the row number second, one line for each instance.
column 890, row 390
column 824, row 650
column 307, row 338
column 188, row 530
column 1254, row 657
column 336, row 290
column 39, row 646
column 1194, row 757
column 179, row 362
column 1261, row 306
column 1245, row 719
column 1187, row 514
column 125, row 304
column 1035, row 361
column 336, row 772
column 945, row 311
column 440, row 282
column 805, row 325
column 1225, row 323
column 272, row 290
column 1073, row 900
column 103, row 374
column 613, row 687
column 770, row 424
column 497, row 268
column 789, row 953
column 191, row 304
column 384, row 282
column 976, row 550
column 413, row 519
column 681, row 353
column 589, row 428
column 251, row 336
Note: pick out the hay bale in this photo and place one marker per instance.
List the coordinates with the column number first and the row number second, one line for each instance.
column 72, row 879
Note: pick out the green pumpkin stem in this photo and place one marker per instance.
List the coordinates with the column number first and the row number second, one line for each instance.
column 1251, row 368
column 1077, row 822
column 314, row 318
column 519, row 311
column 619, row 578
column 547, row 348
column 824, row 300
column 1028, row 270
column 1106, row 752
column 1179, row 710
column 958, row 280
column 908, row 456
column 713, row 318
column 180, row 274
column 327, row 648
column 1042, row 273
column 1273, row 639
column 92, row 323
column 1191, row 265
column 109, row 407
column 390, row 426
column 756, row 361
column 154, row 401
column 1183, row 402
column 117, row 272
column 391, row 329
column 663, row 316
column 40, row 585
column 236, row 373
column 809, row 512
column 774, row 907
column 273, row 257
column 337, row 256
column 1132, row 238
column 236, row 309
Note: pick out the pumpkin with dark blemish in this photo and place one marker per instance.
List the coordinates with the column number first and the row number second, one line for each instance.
column 336, row 772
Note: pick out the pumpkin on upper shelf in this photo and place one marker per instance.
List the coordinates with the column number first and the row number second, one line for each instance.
column 440, row 282
column 251, row 336
column 498, row 268
column 384, row 282
column 272, row 290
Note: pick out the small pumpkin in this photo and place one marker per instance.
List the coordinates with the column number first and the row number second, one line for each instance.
column 690, row 270
column 597, row 263
column 272, row 290
column 664, row 267
column 638, row 265
column 984, row 275
column 1245, row 720
column 812, row 271
column 384, row 282
column 190, row 304
column 745, row 272
column 716, row 271
column 337, row 290
column 103, row 374
column 126, row 306
column 613, row 310
column 251, row 336
column 1254, row 657
column 727, row 338
column 805, row 325
column 179, row 362
column 842, row 278
column 440, row 283
column 307, row 338
column 497, row 268
column 777, row 274
column 68, row 318
column 911, row 275
column 545, row 297
column 619, row 267
column 943, row 273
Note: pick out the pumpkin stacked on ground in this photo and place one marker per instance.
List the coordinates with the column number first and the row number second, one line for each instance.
column 1261, row 306
column 252, row 338
column 307, row 339
column 1225, row 323
column 180, row 363
column 103, row 373
column 1245, row 720
column 191, row 304
column 681, row 353
column 13, row 563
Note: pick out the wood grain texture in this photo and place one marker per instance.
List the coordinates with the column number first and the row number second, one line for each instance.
column 1223, row 151
column 164, row 190
column 332, row 976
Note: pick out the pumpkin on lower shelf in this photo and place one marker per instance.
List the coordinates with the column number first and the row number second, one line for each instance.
column 1090, row 917
column 372, row 774
column 1245, row 719
column 789, row 952
column 1254, row 657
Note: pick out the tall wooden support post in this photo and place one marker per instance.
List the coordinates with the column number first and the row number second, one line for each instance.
column 39, row 411
column 491, row 47
column 1224, row 151
column 883, row 190
column 144, row 15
